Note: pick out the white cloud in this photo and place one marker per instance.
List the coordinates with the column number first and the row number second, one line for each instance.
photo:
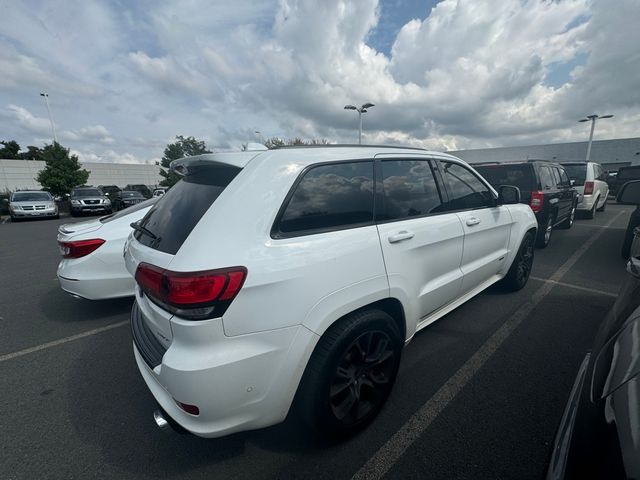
column 128, row 79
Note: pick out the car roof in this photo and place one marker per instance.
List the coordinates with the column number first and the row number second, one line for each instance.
column 306, row 155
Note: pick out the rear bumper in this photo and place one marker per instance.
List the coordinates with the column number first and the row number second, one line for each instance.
column 238, row 383
column 587, row 203
column 87, row 277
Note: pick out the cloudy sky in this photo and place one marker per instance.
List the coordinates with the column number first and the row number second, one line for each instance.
column 125, row 77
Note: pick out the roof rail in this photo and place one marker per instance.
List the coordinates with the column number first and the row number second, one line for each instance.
column 485, row 163
column 338, row 145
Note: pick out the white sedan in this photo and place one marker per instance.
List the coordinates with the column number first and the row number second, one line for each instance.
column 92, row 265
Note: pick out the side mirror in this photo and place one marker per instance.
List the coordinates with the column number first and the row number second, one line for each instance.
column 572, row 182
column 5, row 201
column 629, row 193
column 106, row 194
column 66, row 195
column 508, row 195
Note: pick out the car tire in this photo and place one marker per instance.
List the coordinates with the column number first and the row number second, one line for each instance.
column 604, row 205
column 344, row 387
column 520, row 269
column 592, row 213
column 544, row 234
column 568, row 222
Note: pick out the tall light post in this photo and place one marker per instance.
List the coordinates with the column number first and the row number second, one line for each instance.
column 53, row 128
column 361, row 110
column 593, row 119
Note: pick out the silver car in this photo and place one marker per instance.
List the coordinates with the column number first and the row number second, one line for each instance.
column 32, row 204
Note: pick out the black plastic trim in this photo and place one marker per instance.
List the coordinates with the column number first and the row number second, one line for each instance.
column 150, row 349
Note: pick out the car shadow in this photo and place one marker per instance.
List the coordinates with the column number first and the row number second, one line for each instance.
column 58, row 306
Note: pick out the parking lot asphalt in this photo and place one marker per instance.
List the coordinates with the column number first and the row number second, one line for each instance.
column 479, row 393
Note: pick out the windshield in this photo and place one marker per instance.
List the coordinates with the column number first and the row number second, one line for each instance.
column 31, row 197
column 128, row 211
column 86, row 192
column 518, row 175
column 131, row 194
column 576, row 172
column 181, row 208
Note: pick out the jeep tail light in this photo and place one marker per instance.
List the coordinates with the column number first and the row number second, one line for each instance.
column 191, row 295
column 537, row 201
column 79, row 248
column 588, row 188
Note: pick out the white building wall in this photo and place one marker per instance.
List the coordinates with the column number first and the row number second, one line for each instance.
column 21, row 174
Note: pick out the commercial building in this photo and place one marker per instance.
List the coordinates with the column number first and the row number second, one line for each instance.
column 612, row 154
column 21, row 174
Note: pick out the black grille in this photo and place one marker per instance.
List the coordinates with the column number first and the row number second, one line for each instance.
column 92, row 202
column 148, row 346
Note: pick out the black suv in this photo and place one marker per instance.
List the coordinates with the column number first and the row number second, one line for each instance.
column 89, row 199
column 138, row 187
column 545, row 186
column 625, row 174
column 127, row 198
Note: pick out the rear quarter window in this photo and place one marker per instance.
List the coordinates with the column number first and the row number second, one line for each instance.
column 577, row 172
column 171, row 220
column 329, row 197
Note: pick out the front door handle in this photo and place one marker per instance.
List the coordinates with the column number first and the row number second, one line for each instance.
column 473, row 221
column 400, row 236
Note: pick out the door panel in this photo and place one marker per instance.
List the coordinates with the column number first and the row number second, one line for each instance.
column 426, row 263
column 486, row 244
column 486, row 226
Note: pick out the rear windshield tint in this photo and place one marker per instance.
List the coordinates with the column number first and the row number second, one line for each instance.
column 629, row 173
column 172, row 219
column 518, row 175
column 577, row 172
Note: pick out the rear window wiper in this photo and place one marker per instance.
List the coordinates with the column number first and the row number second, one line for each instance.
column 139, row 228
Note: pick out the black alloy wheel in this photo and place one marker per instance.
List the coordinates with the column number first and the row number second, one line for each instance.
column 361, row 380
column 520, row 270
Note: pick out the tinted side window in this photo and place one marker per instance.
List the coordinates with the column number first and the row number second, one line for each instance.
column 546, row 178
column 464, row 188
column 556, row 175
column 564, row 178
column 330, row 197
column 409, row 189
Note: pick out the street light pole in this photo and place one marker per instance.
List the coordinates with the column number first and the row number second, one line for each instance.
column 593, row 119
column 53, row 128
column 361, row 110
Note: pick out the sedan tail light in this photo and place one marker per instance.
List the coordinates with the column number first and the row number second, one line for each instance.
column 79, row 248
column 191, row 295
column 537, row 201
column 588, row 188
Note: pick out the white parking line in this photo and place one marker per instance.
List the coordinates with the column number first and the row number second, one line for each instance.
column 391, row 451
column 576, row 287
column 54, row 343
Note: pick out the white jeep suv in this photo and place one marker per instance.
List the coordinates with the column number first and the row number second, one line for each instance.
column 590, row 181
column 296, row 276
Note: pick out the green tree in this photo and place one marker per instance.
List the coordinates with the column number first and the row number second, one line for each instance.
column 9, row 150
column 62, row 171
column 32, row 153
column 182, row 147
column 276, row 142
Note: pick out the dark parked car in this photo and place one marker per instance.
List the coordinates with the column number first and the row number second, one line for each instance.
column 89, row 200
column 143, row 189
column 127, row 198
column 625, row 174
column 545, row 186
column 110, row 190
column 634, row 219
column 599, row 435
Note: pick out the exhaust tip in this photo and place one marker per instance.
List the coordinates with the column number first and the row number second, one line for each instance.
column 161, row 421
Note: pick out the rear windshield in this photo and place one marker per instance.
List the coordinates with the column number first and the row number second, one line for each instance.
column 629, row 173
column 172, row 219
column 518, row 175
column 87, row 192
column 129, row 210
column 577, row 172
column 31, row 197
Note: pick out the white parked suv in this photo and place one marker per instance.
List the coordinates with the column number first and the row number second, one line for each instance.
column 295, row 276
column 590, row 181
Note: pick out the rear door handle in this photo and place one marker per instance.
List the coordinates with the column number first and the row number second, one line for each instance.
column 400, row 236
column 473, row 221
